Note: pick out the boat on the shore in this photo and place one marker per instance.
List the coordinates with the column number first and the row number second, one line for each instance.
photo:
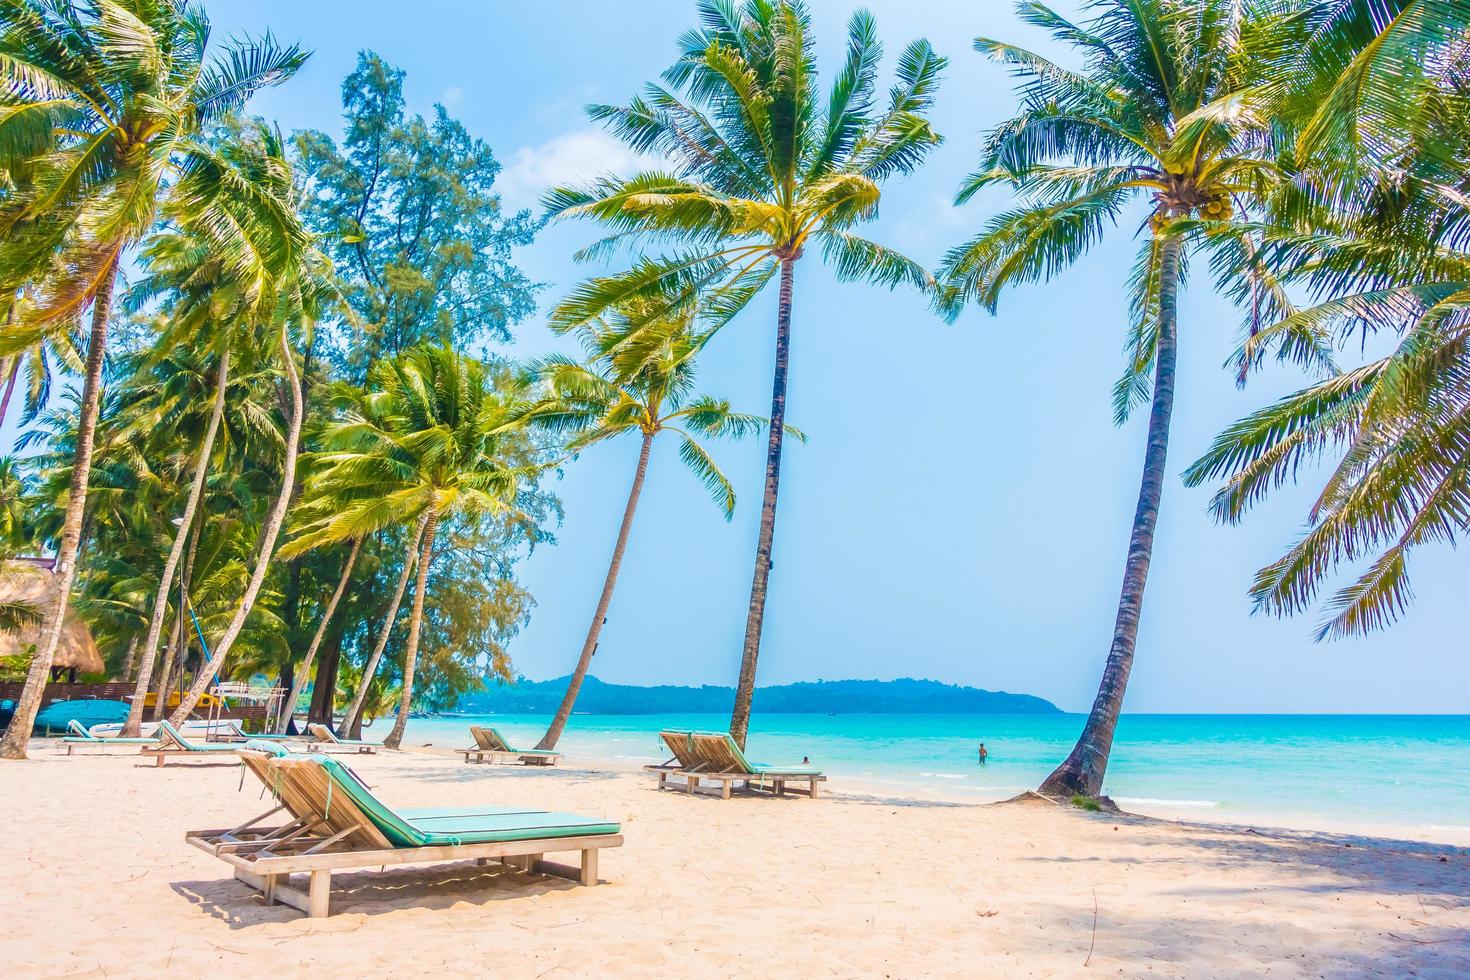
column 87, row 712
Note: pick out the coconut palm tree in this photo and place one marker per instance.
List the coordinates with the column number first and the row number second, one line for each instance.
column 298, row 682
column 305, row 292
column 620, row 390
column 351, row 726
column 215, row 277
column 763, row 167
column 121, row 89
column 1382, row 236
column 1174, row 104
column 430, row 440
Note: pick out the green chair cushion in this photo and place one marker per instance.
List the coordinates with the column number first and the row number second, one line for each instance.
column 457, row 825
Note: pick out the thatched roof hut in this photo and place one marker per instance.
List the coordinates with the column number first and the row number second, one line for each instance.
column 31, row 586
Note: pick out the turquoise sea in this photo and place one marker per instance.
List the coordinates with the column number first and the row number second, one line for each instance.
column 1314, row 771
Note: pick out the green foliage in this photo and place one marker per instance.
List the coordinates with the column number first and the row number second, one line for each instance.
column 1174, row 104
column 101, row 102
column 1087, row 803
column 761, row 166
column 13, row 667
column 1378, row 238
column 406, row 208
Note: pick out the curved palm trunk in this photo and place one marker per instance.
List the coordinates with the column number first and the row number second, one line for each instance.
column 316, row 641
column 176, row 550
column 267, row 543
column 415, row 624
column 1083, row 770
column 589, row 646
column 13, row 746
column 352, row 721
column 10, row 368
column 755, row 618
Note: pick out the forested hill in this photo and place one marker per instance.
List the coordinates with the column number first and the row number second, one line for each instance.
column 903, row 696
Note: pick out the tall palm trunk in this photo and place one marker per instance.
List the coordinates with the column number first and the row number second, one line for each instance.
column 9, row 366
column 353, row 718
column 132, row 659
column 589, row 646
column 316, row 641
column 166, row 673
column 755, row 618
column 176, row 550
column 415, row 624
column 1083, row 770
column 177, row 648
column 10, row 370
column 13, row 746
column 267, row 541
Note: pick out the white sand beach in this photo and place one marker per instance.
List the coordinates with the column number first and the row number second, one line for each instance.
column 99, row 883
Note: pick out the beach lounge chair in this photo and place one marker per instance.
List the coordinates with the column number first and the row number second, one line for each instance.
column 335, row 822
column 80, row 738
column 323, row 738
column 171, row 742
column 713, row 757
column 490, row 744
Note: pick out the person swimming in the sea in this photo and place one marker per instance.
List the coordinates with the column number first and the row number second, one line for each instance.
column 984, row 754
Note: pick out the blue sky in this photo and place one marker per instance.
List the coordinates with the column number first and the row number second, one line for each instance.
column 962, row 508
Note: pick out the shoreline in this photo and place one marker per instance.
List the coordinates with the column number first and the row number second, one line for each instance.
column 1456, row 837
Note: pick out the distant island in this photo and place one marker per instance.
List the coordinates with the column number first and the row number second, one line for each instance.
column 902, row 696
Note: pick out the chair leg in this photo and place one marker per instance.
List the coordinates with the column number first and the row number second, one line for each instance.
column 320, row 893
column 589, row 867
column 725, row 790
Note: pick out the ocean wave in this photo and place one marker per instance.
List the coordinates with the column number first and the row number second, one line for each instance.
column 1150, row 801
column 942, row 775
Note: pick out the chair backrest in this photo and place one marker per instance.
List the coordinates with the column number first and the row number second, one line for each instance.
column 322, row 732
column 169, row 734
column 306, row 788
column 497, row 740
column 482, row 738
column 75, row 727
column 681, row 745
column 719, row 753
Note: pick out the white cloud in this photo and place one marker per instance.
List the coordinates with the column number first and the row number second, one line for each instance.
column 572, row 158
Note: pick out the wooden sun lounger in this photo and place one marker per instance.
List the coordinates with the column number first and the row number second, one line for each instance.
column 171, row 742
column 323, row 738
column 713, row 757
column 491, row 745
column 336, row 823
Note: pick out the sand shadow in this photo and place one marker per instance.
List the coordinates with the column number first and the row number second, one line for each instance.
column 437, row 887
column 470, row 773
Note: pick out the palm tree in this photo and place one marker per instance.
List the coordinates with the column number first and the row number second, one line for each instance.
column 1174, row 103
column 304, row 292
column 621, row 390
column 428, row 442
column 352, row 721
column 764, row 167
column 1387, row 138
column 217, row 275
column 121, row 88
column 298, row 682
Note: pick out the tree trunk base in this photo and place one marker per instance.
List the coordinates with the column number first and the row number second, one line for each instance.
column 1065, row 783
